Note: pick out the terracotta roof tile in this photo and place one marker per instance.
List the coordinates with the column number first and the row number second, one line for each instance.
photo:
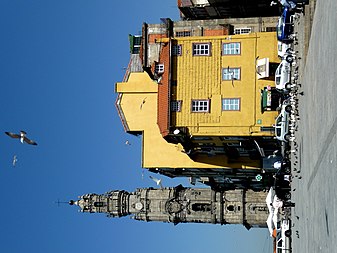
column 163, row 116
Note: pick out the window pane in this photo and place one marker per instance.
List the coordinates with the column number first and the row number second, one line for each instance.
column 159, row 68
column 200, row 105
column 231, row 104
column 176, row 106
column 231, row 74
column 176, row 50
column 201, row 49
column 231, row 48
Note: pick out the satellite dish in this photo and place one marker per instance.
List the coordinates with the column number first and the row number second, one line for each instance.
column 177, row 131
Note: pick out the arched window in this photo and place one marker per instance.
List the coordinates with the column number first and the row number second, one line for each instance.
column 230, row 208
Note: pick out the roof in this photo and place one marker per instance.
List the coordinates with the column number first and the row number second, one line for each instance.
column 135, row 65
column 163, row 115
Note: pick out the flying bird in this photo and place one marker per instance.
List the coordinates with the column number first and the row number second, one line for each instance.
column 22, row 137
column 15, row 159
column 158, row 181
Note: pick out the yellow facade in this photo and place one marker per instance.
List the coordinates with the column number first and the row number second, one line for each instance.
column 200, row 77
column 138, row 103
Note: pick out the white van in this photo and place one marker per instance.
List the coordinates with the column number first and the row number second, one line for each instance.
column 283, row 240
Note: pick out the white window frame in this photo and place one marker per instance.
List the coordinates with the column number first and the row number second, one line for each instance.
column 233, row 48
column 159, row 69
column 176, row 105
column 201, row 49
column 229, row 74
column 183, row 33
column 243, row 30
column 231, row 104
column 200, row 105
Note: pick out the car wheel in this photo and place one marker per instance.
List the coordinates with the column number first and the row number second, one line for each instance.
column 288, row 108
column 287, row 170
column 289, row 58
column 287, row 137
column 289, row 51
column 287, row 233
column 287, row 196
column 288, row 86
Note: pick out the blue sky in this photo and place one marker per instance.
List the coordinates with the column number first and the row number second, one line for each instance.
column 59, row 61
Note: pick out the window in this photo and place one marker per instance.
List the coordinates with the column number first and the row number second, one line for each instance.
column 243, row 30
column 200, row 105
column 137, row 40
column 201, row 49
column 201, row 207
column 231, row 48
column 135, row 43
column 98, row 204
column 271, row 29
column 159, row 68
column 183, row 34
column 176, row 50
column 231, row 104
column 176, row 106
column 231, row 74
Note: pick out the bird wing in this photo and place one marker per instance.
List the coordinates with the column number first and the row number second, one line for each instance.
column 13, row 135
column 155, row 179
column 29, row 141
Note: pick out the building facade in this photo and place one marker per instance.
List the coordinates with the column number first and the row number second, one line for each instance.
column 181, row 205
column 212, row 9
column 201, row 97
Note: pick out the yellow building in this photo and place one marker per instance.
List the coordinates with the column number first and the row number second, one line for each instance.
column 202, row 103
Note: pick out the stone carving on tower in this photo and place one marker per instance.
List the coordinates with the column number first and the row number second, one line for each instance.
column 181, row 205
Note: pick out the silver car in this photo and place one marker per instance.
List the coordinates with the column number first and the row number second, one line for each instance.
column 283, row 74
column 282, row 123
column 284, row 50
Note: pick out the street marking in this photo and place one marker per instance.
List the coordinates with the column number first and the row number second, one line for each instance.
column 326, row 145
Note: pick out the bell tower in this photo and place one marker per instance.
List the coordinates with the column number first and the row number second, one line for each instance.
column 181, row 205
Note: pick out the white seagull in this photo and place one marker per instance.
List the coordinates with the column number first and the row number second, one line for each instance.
column 15, row 159
column 22, row 137
column 158, row 181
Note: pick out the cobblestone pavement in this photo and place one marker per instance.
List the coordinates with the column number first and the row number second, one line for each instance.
column 314, row 164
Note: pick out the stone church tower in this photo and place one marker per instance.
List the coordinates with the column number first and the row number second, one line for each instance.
column 181, row 205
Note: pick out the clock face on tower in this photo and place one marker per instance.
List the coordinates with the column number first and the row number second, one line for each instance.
column 139, row 206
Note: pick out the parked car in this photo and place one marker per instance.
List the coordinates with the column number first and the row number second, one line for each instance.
column 282, row 122
column 293, row 3
column 283, row 237
column 288, row 3
column 282, row 186
column 283, row 49
column 285, row 26
column 283, row 74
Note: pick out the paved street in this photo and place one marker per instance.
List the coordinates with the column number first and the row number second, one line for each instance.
column 315, row 214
